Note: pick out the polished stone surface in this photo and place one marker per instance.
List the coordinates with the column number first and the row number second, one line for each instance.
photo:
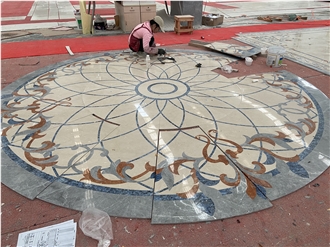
column 175, row 142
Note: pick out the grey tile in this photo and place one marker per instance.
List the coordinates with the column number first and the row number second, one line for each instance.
column 21, row 177
column 73, row 197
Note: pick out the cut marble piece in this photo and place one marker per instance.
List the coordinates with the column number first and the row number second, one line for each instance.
column 103, row 115
column 234, row 50
column 42, row 132
column 20, row 176
column 119, row 185
column 196, row 181
column 298, row 45
column 47, row 123
column 283, row 150
column 65, row 193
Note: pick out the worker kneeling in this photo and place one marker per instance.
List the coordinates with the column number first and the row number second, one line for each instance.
column 142, row 36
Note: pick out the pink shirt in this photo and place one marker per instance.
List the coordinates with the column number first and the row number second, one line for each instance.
column 145, row 34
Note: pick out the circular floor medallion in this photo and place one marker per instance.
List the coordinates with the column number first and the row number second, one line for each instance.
column 162, row 89
column 173, row 142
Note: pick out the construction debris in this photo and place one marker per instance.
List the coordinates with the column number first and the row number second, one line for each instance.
column 264, row 18
column 290, row 17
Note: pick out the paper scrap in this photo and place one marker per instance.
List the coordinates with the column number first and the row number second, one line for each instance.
column 69, row 50
column 62, row 234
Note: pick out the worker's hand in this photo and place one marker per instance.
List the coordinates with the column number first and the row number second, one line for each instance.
column 161, row 51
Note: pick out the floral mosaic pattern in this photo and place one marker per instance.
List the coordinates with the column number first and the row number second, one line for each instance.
column 174, row 132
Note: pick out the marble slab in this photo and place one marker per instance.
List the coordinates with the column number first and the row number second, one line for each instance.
column 195, row 180
column 234, row 50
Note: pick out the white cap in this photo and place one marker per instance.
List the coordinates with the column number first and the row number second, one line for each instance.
column 160, row 22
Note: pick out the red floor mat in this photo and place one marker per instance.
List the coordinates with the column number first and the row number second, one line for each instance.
column 118, row 42
column 219, row 5
column 9, row 8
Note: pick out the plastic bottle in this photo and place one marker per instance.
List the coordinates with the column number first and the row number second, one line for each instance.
column 78, row 18
column 148, row 61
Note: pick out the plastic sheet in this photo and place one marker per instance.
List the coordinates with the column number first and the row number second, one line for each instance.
column 227, row 69
column 97, row 224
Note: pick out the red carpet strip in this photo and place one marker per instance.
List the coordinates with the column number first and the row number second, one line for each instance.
column 119, row 42
column 9, row 8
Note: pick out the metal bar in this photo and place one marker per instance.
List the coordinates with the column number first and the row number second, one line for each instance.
column 166, row 8
column 93, row 13
column 89, row 6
